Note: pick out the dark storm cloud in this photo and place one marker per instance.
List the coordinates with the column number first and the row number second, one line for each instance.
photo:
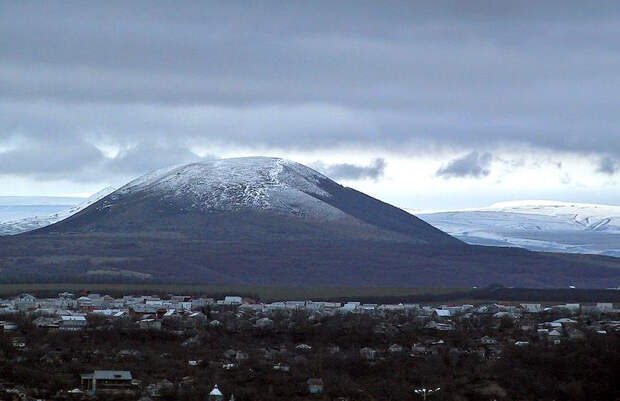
column 346, row 171
column 404, row 76
column 608, row 165
column 50, row 160
column 473, row 164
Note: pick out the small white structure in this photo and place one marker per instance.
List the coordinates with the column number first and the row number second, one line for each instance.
column 216, row 394
column 303, row 347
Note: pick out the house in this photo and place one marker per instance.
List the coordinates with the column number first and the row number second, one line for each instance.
column 394, row 348
column 303, row 347
column 25, row 302
column 85, row 304
column 441, row 313
column 216, row 394
column 605, row 306
column 368, row 307
column 368, row 353
column 7, row 326
column 554, row 336
column 281, row 368
column 488, row 340
column 295, row 305
column 139, row 310
column 573, row 307
column 532, row 308
column 439, row 326
column 565, row 321
column 315, row 386
column 230, row 300
column 575, row 334
column 46, row 322
column 71, row 322
column 350, row 306
column 149, row 324
column 419, row 349
column 110, row 382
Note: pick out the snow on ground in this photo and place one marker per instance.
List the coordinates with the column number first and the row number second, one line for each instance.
column 20, row 225
column 536, row 225
column 582, row 215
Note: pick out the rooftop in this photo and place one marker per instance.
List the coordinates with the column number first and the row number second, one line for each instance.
column 112, row 375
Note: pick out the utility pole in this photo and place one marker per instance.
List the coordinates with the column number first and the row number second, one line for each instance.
column 425, row 392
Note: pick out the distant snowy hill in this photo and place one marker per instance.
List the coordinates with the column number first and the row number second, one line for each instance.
column 536, row 225
column 19, row 214
column 18, row 207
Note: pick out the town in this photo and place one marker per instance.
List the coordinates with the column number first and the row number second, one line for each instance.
column 94, row 346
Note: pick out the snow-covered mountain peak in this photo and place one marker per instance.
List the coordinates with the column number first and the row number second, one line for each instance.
column 248, row 171
column 238, row 183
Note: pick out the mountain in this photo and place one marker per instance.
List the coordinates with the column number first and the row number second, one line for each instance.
column 537, row 225
column 271, row 222
column 37, row 212
column 248, row 198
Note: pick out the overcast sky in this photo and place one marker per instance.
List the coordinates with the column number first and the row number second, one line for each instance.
column 427, row 105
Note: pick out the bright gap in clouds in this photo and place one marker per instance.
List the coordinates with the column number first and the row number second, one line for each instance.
column 408, row 182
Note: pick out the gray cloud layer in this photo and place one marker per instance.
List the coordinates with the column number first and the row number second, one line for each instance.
column 608, row 165
column 402, row 76
column 346, row 171
column 472, row 164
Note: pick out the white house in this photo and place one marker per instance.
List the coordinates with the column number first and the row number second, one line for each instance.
column 232, row 300
column 532, row 308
